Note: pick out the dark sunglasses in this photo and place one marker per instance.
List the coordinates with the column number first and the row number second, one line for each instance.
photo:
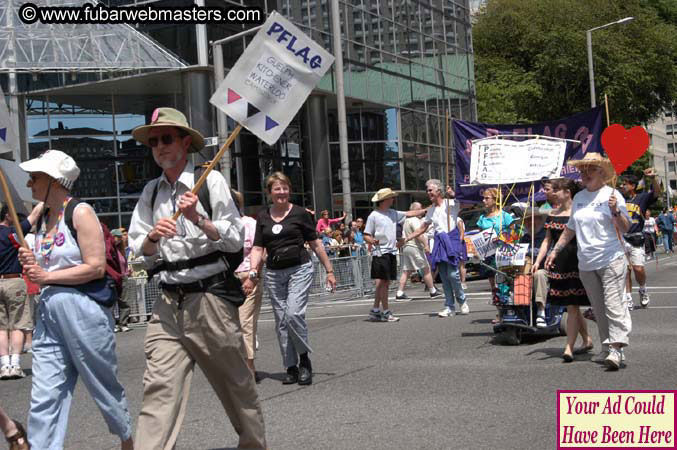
column 167, row 139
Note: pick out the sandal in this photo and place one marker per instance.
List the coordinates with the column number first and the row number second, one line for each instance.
column 19, row 440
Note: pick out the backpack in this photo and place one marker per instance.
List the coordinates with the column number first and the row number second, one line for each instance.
column 234, row 259
column 106, row 290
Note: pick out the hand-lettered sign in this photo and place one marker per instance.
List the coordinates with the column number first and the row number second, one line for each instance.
column 272, row 78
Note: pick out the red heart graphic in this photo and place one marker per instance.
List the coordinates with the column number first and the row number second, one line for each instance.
column 624, row 147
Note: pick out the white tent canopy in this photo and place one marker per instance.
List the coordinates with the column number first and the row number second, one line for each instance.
column 75, row 47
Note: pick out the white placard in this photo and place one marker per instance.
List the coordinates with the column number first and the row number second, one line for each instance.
column 484, row 243
column 272, row 78
column 511, row 255
column 501, row 161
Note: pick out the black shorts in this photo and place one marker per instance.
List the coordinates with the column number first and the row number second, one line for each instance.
column 384, row 267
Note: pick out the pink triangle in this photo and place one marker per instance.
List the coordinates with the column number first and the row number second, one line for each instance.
column 232, row 96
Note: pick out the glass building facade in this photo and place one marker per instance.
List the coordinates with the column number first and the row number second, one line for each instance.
column 407, row 65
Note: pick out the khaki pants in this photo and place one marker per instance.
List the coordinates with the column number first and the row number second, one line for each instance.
column 605, row 289
column 15, row 309
column 205, row 330
column 541, row 286
column 249, row 315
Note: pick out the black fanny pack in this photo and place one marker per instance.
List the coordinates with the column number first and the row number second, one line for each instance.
column 285, row 257
column 634, row 239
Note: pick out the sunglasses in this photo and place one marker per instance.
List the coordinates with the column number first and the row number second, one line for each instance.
column 167, row 139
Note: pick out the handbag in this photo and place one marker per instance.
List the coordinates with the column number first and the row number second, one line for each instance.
column 635, row 239
column 285, row 257
column 102, row 291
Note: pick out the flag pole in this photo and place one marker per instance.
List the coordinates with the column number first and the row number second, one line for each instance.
column 212, row 164
column 12, row 209
column 446, row 148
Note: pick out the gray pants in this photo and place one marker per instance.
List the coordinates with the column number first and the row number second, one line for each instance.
column 288, row 290
column 605, row 289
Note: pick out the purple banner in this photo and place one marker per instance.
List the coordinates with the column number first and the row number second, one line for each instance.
column 586, row 127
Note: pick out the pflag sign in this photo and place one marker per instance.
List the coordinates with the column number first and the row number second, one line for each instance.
column 270, row 81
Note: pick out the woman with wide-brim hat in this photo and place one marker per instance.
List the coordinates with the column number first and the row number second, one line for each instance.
column 74, row 332
column 598, row 218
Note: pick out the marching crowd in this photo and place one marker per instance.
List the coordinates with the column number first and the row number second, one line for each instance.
column 210, row 261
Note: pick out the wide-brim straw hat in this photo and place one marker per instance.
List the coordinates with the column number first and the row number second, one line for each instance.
column 595, row 159
column 169, row 117
column 383, row 194
column 57, row 165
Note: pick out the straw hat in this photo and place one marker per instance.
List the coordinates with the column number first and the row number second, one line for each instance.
column 169, row 117
column 57, row 165
column 383, row 194
column 595, row 159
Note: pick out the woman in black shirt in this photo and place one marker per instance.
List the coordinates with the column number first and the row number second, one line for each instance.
column 282, row 230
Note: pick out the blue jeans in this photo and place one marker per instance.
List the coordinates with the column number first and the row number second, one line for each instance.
column 73, row 338
column 451, row 280
column 667, row 240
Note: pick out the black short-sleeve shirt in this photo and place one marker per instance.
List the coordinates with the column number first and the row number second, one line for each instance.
column 9, row 254
column 297, row 228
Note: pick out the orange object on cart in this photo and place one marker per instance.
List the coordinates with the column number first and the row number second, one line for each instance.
column 522, row 290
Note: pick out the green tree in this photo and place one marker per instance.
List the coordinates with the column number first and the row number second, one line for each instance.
column 531, row 59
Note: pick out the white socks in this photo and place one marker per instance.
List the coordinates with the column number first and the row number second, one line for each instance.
column 14, row 360
column 4, row 360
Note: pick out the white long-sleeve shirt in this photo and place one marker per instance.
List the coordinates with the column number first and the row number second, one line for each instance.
column 190, row 241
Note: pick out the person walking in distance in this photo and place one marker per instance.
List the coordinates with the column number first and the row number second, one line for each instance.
column 447, row 252
column 195, row 319
column 666, row 223
column 127, row 284
column 381, row 233
column 15, row 304
column 413, row 257
column 637, row 205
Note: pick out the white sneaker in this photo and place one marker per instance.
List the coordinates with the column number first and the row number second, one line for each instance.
column 629, row 301
column 15, row 372
column 465, row 309
column 613, row 360
column 644, row 299
column 388, row 316
column 4, row 372
column 464, row 286
column 446, row 312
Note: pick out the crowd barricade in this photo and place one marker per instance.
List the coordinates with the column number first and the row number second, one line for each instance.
column 352, row 275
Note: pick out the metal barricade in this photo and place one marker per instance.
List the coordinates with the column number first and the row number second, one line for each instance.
column 353, row 280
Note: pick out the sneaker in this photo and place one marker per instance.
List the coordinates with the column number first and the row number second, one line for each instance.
column 465, row 309
column 388, row 316
column 446, row 312
column 464, row 286
column 15, row 373
column 125, row 329
column 4, row 372
column 375, row 316
column 116, row 329
column 613, row 360
column 435, row 294
column 402, row 298
column 540, row 322
column 629, row 301
column 644, row 299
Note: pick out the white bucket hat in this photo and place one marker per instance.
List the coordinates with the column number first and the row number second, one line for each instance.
column 57, row 165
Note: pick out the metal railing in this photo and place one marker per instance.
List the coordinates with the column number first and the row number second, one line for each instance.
column 352, row 274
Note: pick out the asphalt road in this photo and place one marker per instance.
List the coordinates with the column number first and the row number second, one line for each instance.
column 422, row 383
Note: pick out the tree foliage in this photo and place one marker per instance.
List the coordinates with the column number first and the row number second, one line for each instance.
column 531, row 59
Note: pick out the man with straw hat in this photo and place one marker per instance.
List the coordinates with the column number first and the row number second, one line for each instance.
column 381, row 232
column 196, row 318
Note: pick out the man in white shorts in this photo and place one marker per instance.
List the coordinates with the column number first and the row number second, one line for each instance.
column 413, row 257
column 637, row 204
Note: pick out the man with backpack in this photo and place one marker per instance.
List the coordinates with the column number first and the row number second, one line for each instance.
column 196, row 318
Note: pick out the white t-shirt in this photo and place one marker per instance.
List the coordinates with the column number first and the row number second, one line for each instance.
column 383, row 227
column 410, row 226
column 591, row 219
column 650, row 225
column 437, row 216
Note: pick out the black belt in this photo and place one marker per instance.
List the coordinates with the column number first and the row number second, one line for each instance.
column 196, row 286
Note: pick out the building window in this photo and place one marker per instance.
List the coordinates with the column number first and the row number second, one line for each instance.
column 671, row 166
column 668, row 129
column 671, row 148
column 673, row 184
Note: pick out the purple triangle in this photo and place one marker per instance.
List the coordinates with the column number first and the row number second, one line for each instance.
column 270, row 123
column 3, row 134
